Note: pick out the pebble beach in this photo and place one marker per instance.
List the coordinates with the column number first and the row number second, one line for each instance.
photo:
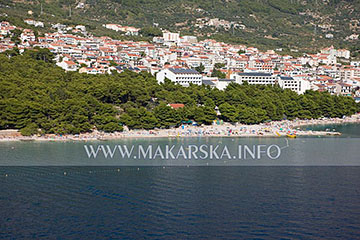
column 270, row 129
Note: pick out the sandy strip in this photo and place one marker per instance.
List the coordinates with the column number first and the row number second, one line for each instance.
column 271, row 129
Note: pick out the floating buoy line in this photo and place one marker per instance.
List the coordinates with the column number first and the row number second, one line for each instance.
column 70, row 173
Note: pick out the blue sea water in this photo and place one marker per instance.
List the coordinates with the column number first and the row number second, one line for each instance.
column 348, row 130
column 181, row 203
column 195, row 202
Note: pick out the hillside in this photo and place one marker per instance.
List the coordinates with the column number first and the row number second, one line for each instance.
column 288, row 24
column 35, row 94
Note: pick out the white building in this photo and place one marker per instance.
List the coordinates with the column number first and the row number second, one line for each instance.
column 171, row 37
column 349, row 73
column 27, row 36
column 130, row 31
column 81, row 28
column 222, row 84
column 126, row 29
column 58, row 26
column 159, row 40
column 180, row 75
column 68, row 65
column 189, row 39
column 34, row 22
column 255, row 78
column 352, row 37
column 115, row 27
column 343, row 53
column 80, row 5
column 295, row 84
column 355, row 63
column 344, row 89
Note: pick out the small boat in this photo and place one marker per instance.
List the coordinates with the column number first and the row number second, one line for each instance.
column 291, row 135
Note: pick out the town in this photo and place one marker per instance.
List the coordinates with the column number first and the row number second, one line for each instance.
column 179, row 119
column 185, row 60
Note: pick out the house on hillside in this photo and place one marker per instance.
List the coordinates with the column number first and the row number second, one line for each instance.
column 68, row 65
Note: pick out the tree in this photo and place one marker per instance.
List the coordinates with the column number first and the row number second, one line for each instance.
column 12, row 52
column 127, row 120
column 35, row 94
column 149, row 121
column 150, row 32
column 29, row 130
column 43, row 54
column 107, row 123
column 251, row 115
column 218, row 74
column 200, row 69
column 204, row 115
column 112, row 127
column 15, row 36
column 208, row 102
column 219, row 65
column 113, row 63
column 228, row 112
column 292, row 109
column 166, row 116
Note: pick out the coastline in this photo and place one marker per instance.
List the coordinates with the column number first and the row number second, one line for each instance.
column 271, row 129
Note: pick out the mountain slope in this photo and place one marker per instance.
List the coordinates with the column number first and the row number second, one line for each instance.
column 265, row 23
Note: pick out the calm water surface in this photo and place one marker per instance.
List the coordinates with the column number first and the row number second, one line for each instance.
column 195, row 202
column 349, row 130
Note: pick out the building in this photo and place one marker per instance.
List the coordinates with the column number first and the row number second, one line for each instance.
column 171, row 37
column 355, row 63
column 210, row 81
column 68, row 65
column 176, row 105
column 222, row 84
column 297, row 85
column 181, row 76
column 34, row 22
column 130, row 31
column 81, row 28
column 343, row 53
column 27, row 36
column 343, row 89
column 255, row 78
column 349, row 73
column 126, row 29
column 289, row 83
column 189, row 39
column 115, row 27
column 58, row 26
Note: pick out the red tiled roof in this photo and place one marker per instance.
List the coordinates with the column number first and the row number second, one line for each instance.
column 177, row 105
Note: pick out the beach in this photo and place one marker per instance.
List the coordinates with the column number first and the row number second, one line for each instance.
column 271, row 129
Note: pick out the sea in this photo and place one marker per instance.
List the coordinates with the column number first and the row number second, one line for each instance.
column 54, row 190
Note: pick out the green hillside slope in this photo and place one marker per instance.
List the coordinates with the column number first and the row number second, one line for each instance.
column 286, row 24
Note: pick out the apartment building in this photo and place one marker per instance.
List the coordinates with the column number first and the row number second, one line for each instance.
column 181, row 76
column 255, row 78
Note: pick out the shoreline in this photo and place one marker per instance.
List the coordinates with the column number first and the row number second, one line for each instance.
column 271, row 129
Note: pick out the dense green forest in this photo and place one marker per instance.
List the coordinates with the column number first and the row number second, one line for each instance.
column 287, row 24
column 38, row 97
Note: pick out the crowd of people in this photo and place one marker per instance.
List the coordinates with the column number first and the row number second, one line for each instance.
column 270, row 129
